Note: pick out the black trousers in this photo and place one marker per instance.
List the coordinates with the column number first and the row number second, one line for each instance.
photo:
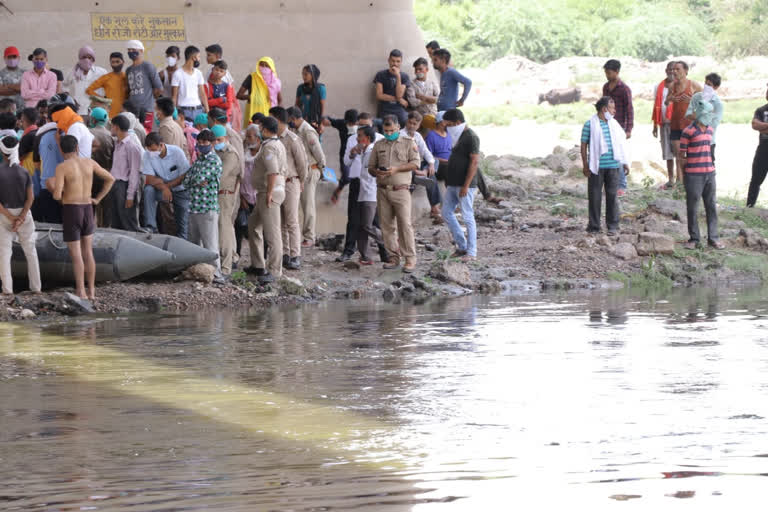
column 608, row 179
column 759, row 170
column 353, row 217
column 122, row 217
column 46, row 208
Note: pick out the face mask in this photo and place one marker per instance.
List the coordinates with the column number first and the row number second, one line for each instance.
column 12, row 63
column 197, row 63
column 203, row 150
column 157, row 121
column 253, row 146
column 154, row 153
column 85, row 64
column 392, row 136
column 220, row 146
column 117, row 69
column 171, row 61
column 608, row 116
column 133, row 55
column 420, row 76
column 455, row 132
column 39, row 64
column 266, row 72
column 707, row 93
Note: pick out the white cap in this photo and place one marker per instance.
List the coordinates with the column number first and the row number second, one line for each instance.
column 134, row 45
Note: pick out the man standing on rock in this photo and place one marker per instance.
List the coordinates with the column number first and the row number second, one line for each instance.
column 696, row 155
column 661, row 117
column 461, row 183
column 392, row 162
column 679, row 98
column 625, row 112
column 72, row 185
column 603, row 155
column 760, row 162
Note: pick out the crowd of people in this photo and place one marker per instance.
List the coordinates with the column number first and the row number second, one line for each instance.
column 171, row 151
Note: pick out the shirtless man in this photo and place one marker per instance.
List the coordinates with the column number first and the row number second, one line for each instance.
column 72, row 186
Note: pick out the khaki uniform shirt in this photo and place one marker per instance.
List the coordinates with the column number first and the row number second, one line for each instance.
column 311, row 141
column 295, row 155
column 392, row 154
column 173, row 134
column 231, row 168
column 237, row 143
column 270, row 159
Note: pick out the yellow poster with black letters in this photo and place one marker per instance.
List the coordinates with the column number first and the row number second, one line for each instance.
column 144, row 27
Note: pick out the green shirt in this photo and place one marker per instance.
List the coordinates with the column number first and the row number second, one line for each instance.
column 202, row 182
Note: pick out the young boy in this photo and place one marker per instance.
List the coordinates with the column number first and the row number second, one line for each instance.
column 422, row 95
column 220, row 93
column 699, row 173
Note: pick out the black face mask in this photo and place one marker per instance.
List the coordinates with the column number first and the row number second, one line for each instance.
column 197, row 63
column 133, row 55
column 117, row 69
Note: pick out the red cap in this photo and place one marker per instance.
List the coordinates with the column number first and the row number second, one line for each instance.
column 11, row 51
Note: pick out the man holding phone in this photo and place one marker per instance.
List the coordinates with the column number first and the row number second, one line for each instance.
column 161, row 164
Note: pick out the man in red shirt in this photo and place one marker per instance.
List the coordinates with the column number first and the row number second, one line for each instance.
column 621, row 94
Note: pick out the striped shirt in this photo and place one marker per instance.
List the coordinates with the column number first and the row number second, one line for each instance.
column 607, row 161
column 696, row 143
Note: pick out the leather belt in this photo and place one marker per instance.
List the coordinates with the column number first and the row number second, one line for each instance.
column 314, row 166
column 294, row 178
column 395, row 187
column 226, row 192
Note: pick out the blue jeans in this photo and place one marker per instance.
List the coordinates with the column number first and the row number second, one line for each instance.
column 450, row 201
column 191, row 112
column 180, row 210
column 622, row 179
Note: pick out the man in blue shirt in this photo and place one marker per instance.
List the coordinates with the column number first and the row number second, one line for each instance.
column 161, row 164
column 48, row 155
column 449, row 81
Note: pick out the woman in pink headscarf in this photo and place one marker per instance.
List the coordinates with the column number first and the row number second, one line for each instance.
column 81, row 76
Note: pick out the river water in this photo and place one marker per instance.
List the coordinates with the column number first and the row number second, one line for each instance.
column 591, row 402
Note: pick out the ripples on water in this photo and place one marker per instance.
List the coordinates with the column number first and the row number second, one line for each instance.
column 471, row 404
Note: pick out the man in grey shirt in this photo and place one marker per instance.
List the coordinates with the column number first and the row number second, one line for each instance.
column 144, row 83
column 10, row 77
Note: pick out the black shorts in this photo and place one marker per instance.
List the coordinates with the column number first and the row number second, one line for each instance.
column 77, row 221
column 675, row 134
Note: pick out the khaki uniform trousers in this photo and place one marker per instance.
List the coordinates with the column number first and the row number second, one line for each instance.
column 308, row 204
column 290, row 221
column 27, row 239
column 395, row 219
column 228, row 205
column 264, row 223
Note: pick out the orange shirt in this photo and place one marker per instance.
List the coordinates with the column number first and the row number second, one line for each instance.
column 115, row 88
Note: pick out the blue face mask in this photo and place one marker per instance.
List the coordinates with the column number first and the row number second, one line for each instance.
column 220, row 146
column 392, row 136
column 203, row 150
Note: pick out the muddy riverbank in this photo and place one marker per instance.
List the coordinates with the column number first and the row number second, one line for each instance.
column 533, row 240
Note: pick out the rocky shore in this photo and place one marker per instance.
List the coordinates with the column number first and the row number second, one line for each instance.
column 533, row 240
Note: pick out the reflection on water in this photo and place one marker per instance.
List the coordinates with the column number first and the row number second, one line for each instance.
column 469, row 404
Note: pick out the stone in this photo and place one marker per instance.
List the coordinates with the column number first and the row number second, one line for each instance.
column 559, row 150
column 649, row 243
column 26, row 314
column 624, row 251
column 351, row 265
column 558, row 162
column 489, row 214
column 574, row 153
column 430, row 247
column 586, row 243
column 752, row 239
column 452, row 272
column 505, row 163
column 576, row 190
column 670, row 207
column 603, row 240
column 202, row 273
column 74, row 305
column 507, row 190
column 292, row 286
column 330, row 242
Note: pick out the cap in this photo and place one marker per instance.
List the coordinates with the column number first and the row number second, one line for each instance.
column 219, row 131
column 439, row 116
column 201, row 119
column 133, row 44
column 99, row 114
column 11, row 51
column 218, row 114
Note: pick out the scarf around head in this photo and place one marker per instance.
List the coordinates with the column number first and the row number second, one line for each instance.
column 704, row 110
column 85, row 51
column 11, row 153
column 65, row 118
column 315, row 106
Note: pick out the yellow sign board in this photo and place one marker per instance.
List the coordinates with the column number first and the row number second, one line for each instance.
column 144, row 27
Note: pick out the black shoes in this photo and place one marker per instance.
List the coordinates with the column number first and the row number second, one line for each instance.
column 293, row 264
column 344, row 257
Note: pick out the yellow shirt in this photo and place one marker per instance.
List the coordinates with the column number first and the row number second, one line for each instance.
column 115, row 88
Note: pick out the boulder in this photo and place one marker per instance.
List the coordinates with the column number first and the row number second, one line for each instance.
column 489, row 214
column 202, row 272
column 669, row 207
column 650, row 243
column 452, row 272
column 292, row 286
column 507, row 190
column 624, row 251
column 26, row 314
column 753, row 240
column 74, row 305
column 505, row 163
column 558, row 162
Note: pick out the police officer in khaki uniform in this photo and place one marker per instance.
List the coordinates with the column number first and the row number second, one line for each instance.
column 316, row 158
column 229, row 196
column 295, row 179
column 268, row 178
column 391, row 162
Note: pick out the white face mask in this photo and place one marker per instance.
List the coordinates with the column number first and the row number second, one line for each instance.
column 455, row 132
column 171, row 61
column 707, row 93
column 608, row 116
column 154, row 153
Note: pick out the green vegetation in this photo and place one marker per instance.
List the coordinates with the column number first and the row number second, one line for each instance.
column 481, row 31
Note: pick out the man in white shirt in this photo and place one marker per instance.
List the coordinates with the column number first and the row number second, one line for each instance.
column 366, row 136
column 81, row 76
column 425, row 176
column 188, row 85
